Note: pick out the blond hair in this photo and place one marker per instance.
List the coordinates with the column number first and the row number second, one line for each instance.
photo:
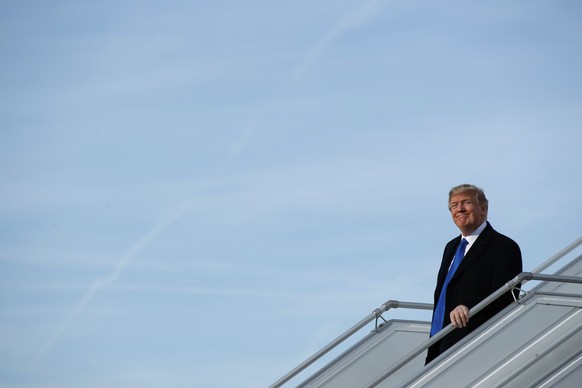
column 465, row 187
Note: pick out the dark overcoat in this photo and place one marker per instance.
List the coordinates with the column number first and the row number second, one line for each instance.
column 492, row 261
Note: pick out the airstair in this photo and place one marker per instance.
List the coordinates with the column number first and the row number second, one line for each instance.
column 534, row 342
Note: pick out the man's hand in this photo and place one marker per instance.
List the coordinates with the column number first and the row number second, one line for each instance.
column 460, row 316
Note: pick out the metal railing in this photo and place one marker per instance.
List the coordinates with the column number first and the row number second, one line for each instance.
column 558, row 255
column 391, row 304
column 521, row 278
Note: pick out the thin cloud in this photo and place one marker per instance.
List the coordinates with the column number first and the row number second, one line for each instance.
column 99, row 284
column 349, row 22
column 248, row 132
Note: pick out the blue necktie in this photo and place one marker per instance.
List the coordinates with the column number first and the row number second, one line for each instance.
column 439, row 311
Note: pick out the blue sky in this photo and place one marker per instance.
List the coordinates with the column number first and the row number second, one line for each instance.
column 205, row 193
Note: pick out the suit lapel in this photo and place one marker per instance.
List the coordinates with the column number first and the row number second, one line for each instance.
column 448, row 257
column 475, row 251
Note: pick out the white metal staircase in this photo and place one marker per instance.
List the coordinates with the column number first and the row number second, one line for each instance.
column 534, row 342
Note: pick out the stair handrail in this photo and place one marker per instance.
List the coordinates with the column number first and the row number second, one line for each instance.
column 390, row 304
column 558, row 256
column 521, row 278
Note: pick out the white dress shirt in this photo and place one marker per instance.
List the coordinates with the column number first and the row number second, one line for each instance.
column 473, row 236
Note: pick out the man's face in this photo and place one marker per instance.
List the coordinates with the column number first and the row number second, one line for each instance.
column 467, row 213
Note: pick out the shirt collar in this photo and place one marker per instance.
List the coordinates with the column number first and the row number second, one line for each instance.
column 473, row 236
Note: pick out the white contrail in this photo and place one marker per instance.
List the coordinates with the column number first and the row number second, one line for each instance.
column 348, row 22
column 99, row 284
column 248, row 131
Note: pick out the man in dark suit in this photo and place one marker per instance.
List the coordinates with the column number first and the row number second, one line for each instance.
column 474, row 265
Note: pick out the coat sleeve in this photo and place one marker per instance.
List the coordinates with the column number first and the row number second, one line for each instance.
column 507, row 264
